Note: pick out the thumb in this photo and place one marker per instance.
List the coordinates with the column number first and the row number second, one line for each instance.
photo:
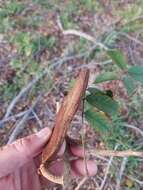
column 15, row 155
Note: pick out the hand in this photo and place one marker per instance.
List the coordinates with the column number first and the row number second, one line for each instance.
column 19, row 162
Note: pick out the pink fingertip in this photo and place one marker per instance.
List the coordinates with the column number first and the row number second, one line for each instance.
column 78, row 167
column 77, row 151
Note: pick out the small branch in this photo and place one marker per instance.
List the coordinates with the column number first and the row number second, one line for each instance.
column 134, row 128
column 86, row 36
column 20, row 126
column 20, row 95
column 122, row 168
column 114, row 153
column 131, row 38
column 80, row 34
column 107, row 171
column 13, row 117
column 83, row 138
column 37, row 118
column 81, row 183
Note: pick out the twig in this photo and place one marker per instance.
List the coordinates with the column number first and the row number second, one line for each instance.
column 37, row 118
column 20, row 95
column 122, row 168
column 13, row 117
column 49, row 113
column 81, row 183
column 86, row 36
column 131, row 38
column 83, row 136
column 107, row 171
column 101, row 158
column 80, row 34
column 114, row 153
column 134, row 128
column 67, row 172
column 93, row 65
column 20, row 126
column 95, row 181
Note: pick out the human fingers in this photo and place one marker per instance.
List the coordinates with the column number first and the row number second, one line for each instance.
column 77, row 150
column 14, row 155
column 79, row 166
column 25, row 178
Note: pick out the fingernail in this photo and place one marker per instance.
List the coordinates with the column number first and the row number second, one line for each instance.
column 44, row 133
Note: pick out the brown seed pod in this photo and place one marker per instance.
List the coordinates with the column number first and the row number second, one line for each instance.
column 64, row 118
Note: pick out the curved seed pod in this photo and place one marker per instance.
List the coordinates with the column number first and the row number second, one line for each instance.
column 62, row 123
column 65, row 116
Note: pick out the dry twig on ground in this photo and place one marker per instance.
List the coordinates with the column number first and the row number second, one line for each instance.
column 114, row 153
column 80, row 34
column 122, row 168
column 107, row 171
column 21, row 124
column 81, row 183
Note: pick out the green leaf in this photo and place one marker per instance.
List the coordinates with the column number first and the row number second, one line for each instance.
column 118, row 57
column 104, row 103
column 107, row 76
column 129, row 84
column 94, row 90
column 136, row 72
column 109, row 93
column 98, row 120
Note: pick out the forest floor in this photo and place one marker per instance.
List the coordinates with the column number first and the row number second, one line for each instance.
column 38, row 65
